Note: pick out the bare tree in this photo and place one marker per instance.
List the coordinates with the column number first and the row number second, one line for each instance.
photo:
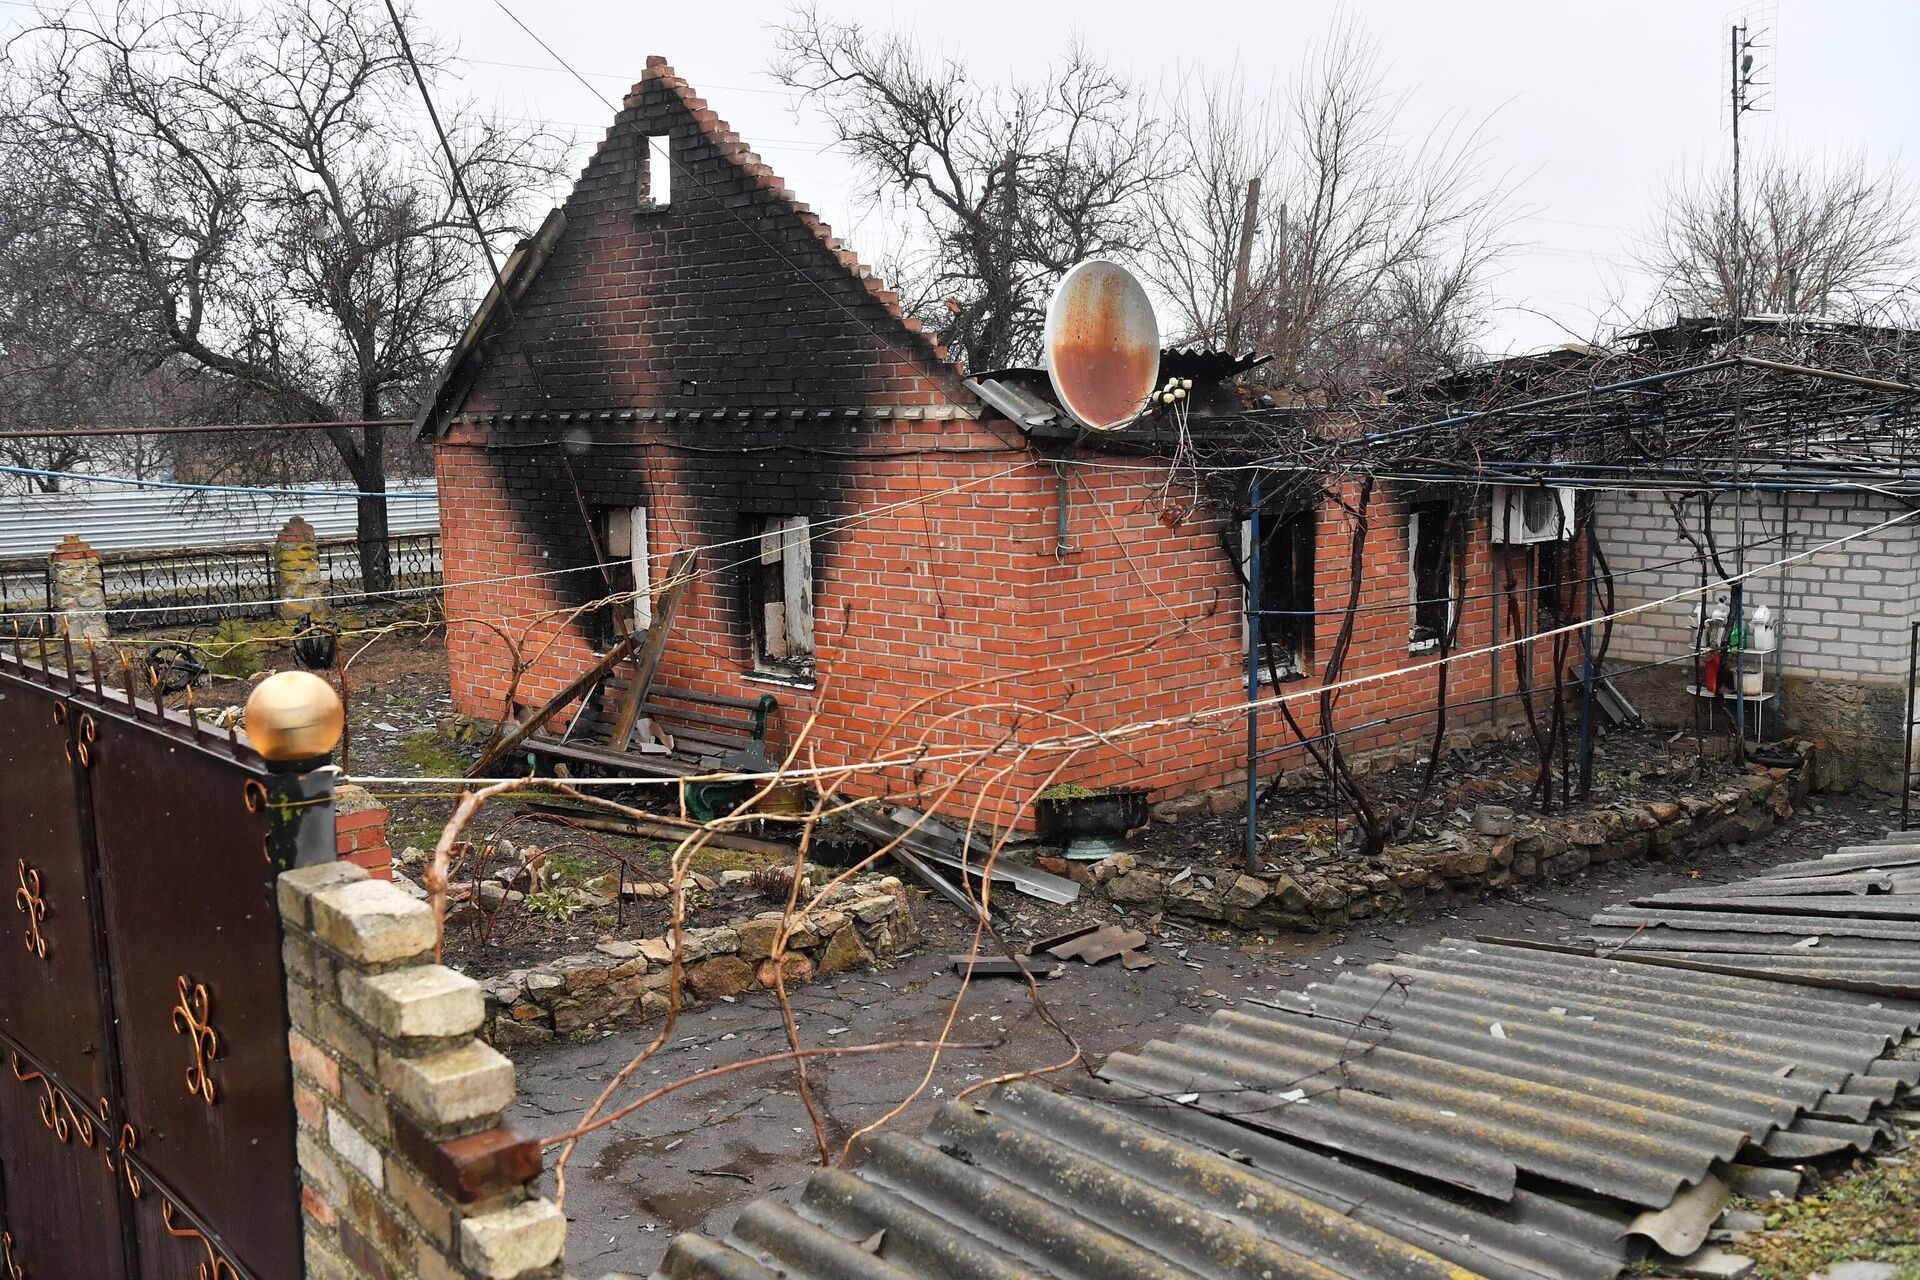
column 1838, row 239
column 1008, row 185
column 245, row 191
column 1371, row 252
column 1196, row 220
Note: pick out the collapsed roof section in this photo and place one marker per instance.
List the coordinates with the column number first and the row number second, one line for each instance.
column 1786, row 403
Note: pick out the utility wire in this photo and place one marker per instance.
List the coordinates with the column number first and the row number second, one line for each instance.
column 459, row 181
column 182, row 486
column 682, row 169
column 1191, row 719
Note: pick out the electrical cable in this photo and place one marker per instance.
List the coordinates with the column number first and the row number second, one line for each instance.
column 816, row 530
column 1191, row 719
column 182, row 486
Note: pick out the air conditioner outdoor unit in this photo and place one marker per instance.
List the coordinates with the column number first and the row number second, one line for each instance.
column 1532, row 513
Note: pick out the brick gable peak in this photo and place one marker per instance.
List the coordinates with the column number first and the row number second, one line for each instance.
column 721, row 137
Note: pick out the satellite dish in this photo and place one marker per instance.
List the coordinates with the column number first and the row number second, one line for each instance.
column 1103, row 345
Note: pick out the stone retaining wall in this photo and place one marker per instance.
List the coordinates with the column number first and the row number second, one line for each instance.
column 863, row 922
column 1314, row 892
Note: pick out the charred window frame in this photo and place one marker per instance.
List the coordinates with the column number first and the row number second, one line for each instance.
column 622, row 533
column 1551, row 561
column 1286, row 588
column 1430, row 561
column 653, row 186
column 780, row 596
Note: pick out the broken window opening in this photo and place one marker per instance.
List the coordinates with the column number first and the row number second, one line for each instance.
column 1430, row 562
column 1550, row 566
column 623, row 544
column 1286, row 590
column 781, row 591
column 654, row 188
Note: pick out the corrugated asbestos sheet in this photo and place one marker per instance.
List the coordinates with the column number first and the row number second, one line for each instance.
column 1851, row 918
column 1474, row 1109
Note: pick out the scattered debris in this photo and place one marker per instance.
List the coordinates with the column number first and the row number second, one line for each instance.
column 1104, row 943
column 1002, row 967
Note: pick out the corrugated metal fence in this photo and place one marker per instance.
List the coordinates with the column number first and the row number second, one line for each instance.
column 168, row 559
column 32, row 524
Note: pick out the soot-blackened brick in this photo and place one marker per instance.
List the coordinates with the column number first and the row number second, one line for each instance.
column 946, row 617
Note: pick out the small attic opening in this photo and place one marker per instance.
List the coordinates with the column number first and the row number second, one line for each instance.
column 653, row 190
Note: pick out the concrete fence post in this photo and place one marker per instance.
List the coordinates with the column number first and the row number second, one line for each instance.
column 79, row 589
column 298, row 580
column 407, row 1168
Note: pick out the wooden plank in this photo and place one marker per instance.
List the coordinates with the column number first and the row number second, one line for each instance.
column 660, row 826
column 1001, row 967
column 668, row 692
column 652, row 649
column 651, row 764
column 531, row 725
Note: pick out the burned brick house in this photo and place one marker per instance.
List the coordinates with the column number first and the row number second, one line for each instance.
column 687, row 358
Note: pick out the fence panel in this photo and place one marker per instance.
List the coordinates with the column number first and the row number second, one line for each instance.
column 207, row 584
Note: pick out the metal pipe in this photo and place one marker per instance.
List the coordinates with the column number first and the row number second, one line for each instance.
column 1906, row 767
column 1586, row 670
column 1780, row 627
column 1060, row 544
column 1253, row 676
column 1829, row 375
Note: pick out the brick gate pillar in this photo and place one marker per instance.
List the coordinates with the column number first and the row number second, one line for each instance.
column 407, row 1168
column 298, row 581
column 360, row 827
column 79, row 589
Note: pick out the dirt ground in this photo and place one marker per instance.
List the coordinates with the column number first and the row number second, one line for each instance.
column 693, row 1159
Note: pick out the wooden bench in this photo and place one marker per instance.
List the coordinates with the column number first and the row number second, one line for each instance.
column 702, row 733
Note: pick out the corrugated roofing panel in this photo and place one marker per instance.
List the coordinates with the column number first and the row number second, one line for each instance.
column 1478, row 1108
column 1034, row 1182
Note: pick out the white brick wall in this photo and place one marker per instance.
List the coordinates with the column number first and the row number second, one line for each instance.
column 1843, row 613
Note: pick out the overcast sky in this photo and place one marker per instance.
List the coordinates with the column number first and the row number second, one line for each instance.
column 1589, row 108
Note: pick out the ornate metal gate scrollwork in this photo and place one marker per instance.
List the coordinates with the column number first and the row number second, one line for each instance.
column 190, row 1020
column 148, row 958
column 28, row 900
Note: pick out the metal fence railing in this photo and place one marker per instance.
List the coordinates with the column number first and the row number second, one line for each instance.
column 168, row 588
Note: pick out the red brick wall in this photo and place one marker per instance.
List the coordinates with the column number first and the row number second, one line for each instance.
column 957, row 602
column 719, row 360
column 361, row 836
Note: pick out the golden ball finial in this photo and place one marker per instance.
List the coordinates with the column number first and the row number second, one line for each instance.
column 294, row 715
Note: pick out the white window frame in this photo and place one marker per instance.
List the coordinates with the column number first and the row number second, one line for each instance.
column 786, row 541
column 635, row 553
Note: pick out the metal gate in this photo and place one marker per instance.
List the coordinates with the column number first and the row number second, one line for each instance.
column 146, row 1105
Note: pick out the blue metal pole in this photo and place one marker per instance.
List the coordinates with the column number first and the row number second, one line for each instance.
column 1587, row 672
column 1253, row 676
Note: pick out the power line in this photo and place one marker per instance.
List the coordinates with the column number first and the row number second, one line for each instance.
column 682, row 169
column 133, row 482
column 816, row 530
column 196, row 429
column 915, row 758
